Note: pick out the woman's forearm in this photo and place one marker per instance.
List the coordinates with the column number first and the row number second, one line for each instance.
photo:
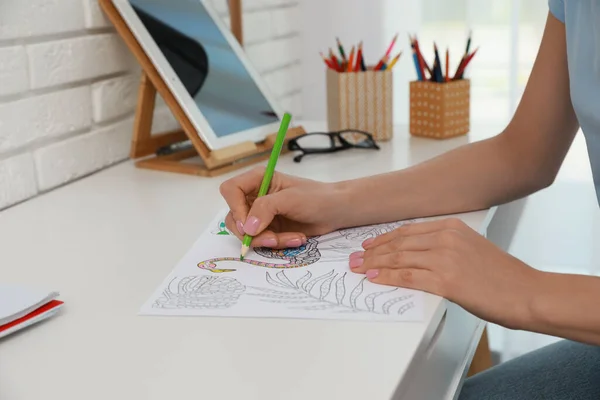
column 473, row 177
column 567, row 306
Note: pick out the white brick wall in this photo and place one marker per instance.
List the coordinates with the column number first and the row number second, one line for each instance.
column 35, row 18
column 17, row 179
column 94, row 17
column 68, row 86
column 113, row 98
column 77, row 156
column 33, row 118
column 13, row 70
column 72, row 60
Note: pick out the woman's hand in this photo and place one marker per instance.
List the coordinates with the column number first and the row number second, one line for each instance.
column 447, row 258
column 293, row 209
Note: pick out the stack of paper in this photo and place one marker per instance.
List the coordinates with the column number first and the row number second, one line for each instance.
column 21, row 307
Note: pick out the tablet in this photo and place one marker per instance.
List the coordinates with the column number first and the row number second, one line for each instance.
column 205, row 68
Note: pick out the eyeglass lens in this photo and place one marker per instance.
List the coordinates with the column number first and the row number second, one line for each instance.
column 358, row 139
column 315, row 141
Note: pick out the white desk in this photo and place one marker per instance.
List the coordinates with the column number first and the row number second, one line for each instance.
column 106, row 242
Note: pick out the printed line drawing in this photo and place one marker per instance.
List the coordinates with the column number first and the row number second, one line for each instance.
column 329, row 291
column 368, row 232
column 221, row 229
column 296, row 258
column 204, row 292
column 312, row 281
column 342, row 242
column 346, row 241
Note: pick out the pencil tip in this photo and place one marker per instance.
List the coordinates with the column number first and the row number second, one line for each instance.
column 244, row 252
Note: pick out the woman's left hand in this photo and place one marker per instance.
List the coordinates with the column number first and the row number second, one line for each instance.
column 448, row 258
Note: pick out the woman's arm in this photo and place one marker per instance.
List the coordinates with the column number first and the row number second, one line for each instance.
column 448, row 258
column 566, row 305
column 521, row 160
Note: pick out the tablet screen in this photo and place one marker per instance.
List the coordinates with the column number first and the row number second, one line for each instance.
column 208, row 67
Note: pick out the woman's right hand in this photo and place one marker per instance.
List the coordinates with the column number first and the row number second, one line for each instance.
column 293, row 209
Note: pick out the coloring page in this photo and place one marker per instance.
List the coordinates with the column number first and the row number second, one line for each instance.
column 311, row 281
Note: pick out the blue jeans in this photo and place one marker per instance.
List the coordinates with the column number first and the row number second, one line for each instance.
column 563, row 370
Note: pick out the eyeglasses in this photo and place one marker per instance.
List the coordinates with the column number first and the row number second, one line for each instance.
column 330, row 142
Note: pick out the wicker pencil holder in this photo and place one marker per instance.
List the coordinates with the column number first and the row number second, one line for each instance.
column 440, row 110
column 361, row 100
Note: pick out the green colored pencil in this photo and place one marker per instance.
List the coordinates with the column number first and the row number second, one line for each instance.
column 266, row 182
column 341, row 49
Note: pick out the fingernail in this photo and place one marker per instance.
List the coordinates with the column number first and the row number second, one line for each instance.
column 356, row 254
column 293, row 243
column 368, row 242
column 356, row 262
column 240, row 227
column 372, row 273
column 251, row 226
column 269, row 242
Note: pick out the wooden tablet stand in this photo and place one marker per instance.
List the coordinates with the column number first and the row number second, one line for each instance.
column 144, row 144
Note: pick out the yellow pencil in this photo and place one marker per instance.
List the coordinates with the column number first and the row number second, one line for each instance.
column 391, row 64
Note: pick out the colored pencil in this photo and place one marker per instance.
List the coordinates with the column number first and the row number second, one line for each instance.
column 459, row 68
column 467, row 61
column 394, row 61
column 381, row 62
column 350, row 61
column 471, row 56
column 389, row 50
column 461, row 65
column 328, row 62
column 422, row 63
column 386, row 57
column 363, row 67
column 335, row 61
column 341, row 49
column 416, row 61
column 358, row 58
column 469, row 42
column 438, row 70
column 447, row 77
column 269, row 171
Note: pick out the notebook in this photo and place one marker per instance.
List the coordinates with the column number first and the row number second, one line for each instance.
column 21, row 307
